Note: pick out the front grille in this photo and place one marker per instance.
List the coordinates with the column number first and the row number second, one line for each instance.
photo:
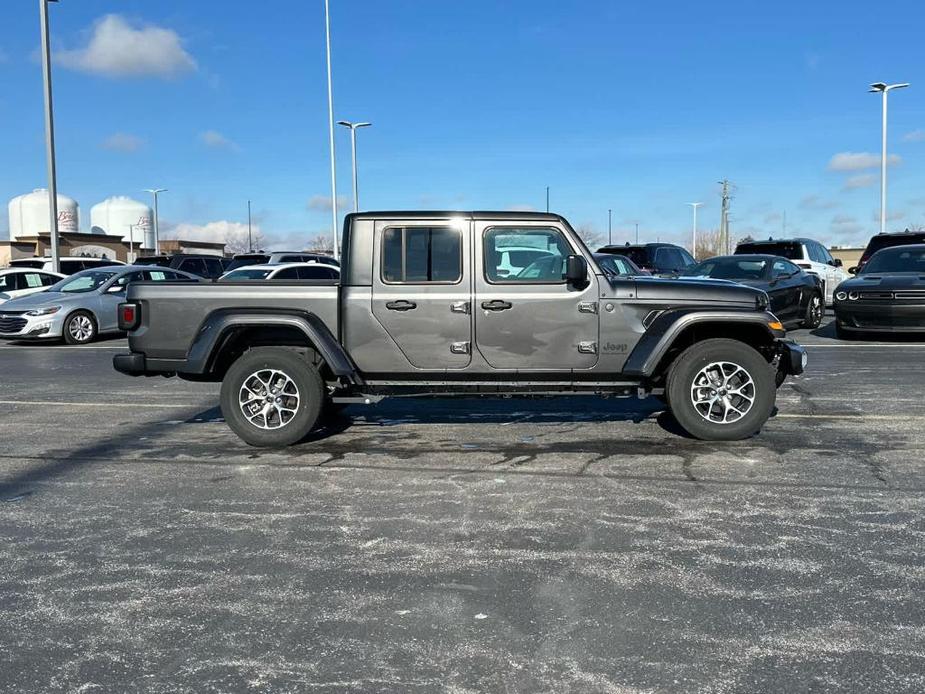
column 876, row 296
column 910, row 294
column 12, row 321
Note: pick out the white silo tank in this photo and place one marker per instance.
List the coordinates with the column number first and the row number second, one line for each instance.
column 29, row 214
column 115, row 215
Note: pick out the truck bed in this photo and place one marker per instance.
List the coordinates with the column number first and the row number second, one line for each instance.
column 172, row 313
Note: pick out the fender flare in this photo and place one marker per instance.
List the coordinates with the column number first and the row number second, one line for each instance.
column 216, row 327
column 665, row 329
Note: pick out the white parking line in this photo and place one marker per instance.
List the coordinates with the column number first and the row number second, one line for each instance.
column 894, row 345
column 133, row 405
column 862, row 417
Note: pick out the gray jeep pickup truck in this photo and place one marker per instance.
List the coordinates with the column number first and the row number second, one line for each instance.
column 463, row 303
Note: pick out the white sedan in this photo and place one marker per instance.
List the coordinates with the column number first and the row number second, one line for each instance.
column 22, row 281
column 284, row 271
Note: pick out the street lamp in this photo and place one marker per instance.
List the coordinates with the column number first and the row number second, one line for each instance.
column 353, row 148
column 694, row 205
column 49, row 136
column 157, row 238
column 327, row 36
column 609, row 227
column 250, row 243
column 884, row 89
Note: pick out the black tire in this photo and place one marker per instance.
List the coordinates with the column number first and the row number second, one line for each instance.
column 80, row 328
column 815, row 312
column 690, row 368
column 278, row 426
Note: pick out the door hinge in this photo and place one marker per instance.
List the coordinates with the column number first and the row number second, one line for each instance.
column 459, row 307
column 587, row 347
column 587, row 307
column 459, row 348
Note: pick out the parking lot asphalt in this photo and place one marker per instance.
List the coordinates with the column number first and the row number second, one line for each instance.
column 576, row 544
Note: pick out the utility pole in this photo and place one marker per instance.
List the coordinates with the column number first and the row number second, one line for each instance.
column 609, row 227
column 50, row 136
column 724, row 217
column 250, row 242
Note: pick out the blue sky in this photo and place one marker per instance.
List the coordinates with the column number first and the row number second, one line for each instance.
column 638, row 107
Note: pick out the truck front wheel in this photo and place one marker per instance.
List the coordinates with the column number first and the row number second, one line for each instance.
column 721, row 390
column 272, row 396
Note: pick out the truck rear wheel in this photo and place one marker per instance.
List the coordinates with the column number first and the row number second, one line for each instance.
column 721, row 390
column 272, row 396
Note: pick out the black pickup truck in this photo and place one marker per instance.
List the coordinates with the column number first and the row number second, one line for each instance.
column 463, row 303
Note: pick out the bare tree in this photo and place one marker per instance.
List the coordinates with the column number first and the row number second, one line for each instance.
column 709, row 244
column 591, row 236
column 320, row 243
column 236, row 242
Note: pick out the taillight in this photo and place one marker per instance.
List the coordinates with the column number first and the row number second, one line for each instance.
column 128, row 316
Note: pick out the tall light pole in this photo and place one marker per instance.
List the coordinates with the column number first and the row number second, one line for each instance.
column 49, row 136
column 694, row 205
column 327, row 35
column 353, row 149
column 884, row 89
column 250, row 243
column 157, row 237
column 547, row 198
column 609, row 227
column 131, row 243
column 637, row 233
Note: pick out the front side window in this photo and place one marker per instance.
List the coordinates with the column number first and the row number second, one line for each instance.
column 782, row 269
column 525, row 254
column 421, row 254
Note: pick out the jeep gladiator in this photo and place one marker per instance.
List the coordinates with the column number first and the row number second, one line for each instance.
column 463, row 303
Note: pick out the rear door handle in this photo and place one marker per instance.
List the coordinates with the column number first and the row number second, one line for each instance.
column 497, row 305
column 401, row 305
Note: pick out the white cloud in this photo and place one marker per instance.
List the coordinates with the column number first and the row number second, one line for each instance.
column 215, row 140
column 814, row 202
column 915, row 136
column 322, row 203
column 858, row 161
column 118, row 49
column 859, row 181
column 232, row 234
column 844, row 219
column 122, row 142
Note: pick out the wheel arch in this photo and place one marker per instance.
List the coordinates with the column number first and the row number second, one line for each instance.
column 227, row 333
column 675, row 331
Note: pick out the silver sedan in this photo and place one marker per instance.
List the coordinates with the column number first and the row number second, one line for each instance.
column 79, row 307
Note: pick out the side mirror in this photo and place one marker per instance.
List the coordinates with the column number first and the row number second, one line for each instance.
column 576, row 269
column 853, row 270
column 836, row 262
column 116, row 289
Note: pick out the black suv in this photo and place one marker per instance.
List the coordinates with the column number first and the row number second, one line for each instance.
column 902, row 238
column 662, row 259
column 209, row 266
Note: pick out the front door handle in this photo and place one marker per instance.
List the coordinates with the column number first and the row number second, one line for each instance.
column 401, row 305
column 497, row 305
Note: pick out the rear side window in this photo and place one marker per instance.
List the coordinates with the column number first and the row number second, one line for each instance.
column 421, row 254
column 316, row 273
column 290, row 273
column 69, row 267
column 195, row 266
column 672, row 259
column 213, row 266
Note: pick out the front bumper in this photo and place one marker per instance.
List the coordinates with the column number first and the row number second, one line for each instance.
column 792, row 357
column 880, row 317
column 35, row 328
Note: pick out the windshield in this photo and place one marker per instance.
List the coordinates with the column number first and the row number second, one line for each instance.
column 246, row 274
column 898, row 259
column 786, row 249
column 729, row 269
column 88, row 281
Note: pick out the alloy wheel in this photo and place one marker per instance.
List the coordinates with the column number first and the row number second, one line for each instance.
column 80, row 328
column 723, row 392
column 269, row 399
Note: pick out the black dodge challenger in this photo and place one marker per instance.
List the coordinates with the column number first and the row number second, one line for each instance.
column 887, row 295
column 795, row 296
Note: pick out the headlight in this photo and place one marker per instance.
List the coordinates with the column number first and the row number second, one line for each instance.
column 841, row 296
column 853, row 296
column 43, row 311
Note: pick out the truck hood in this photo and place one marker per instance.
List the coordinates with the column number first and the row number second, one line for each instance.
column 699, row 291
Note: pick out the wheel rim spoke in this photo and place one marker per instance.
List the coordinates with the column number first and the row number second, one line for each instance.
column 269, row 399
column 723, row 392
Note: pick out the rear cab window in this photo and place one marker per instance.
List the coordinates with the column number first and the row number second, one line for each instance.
column 421, row 255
